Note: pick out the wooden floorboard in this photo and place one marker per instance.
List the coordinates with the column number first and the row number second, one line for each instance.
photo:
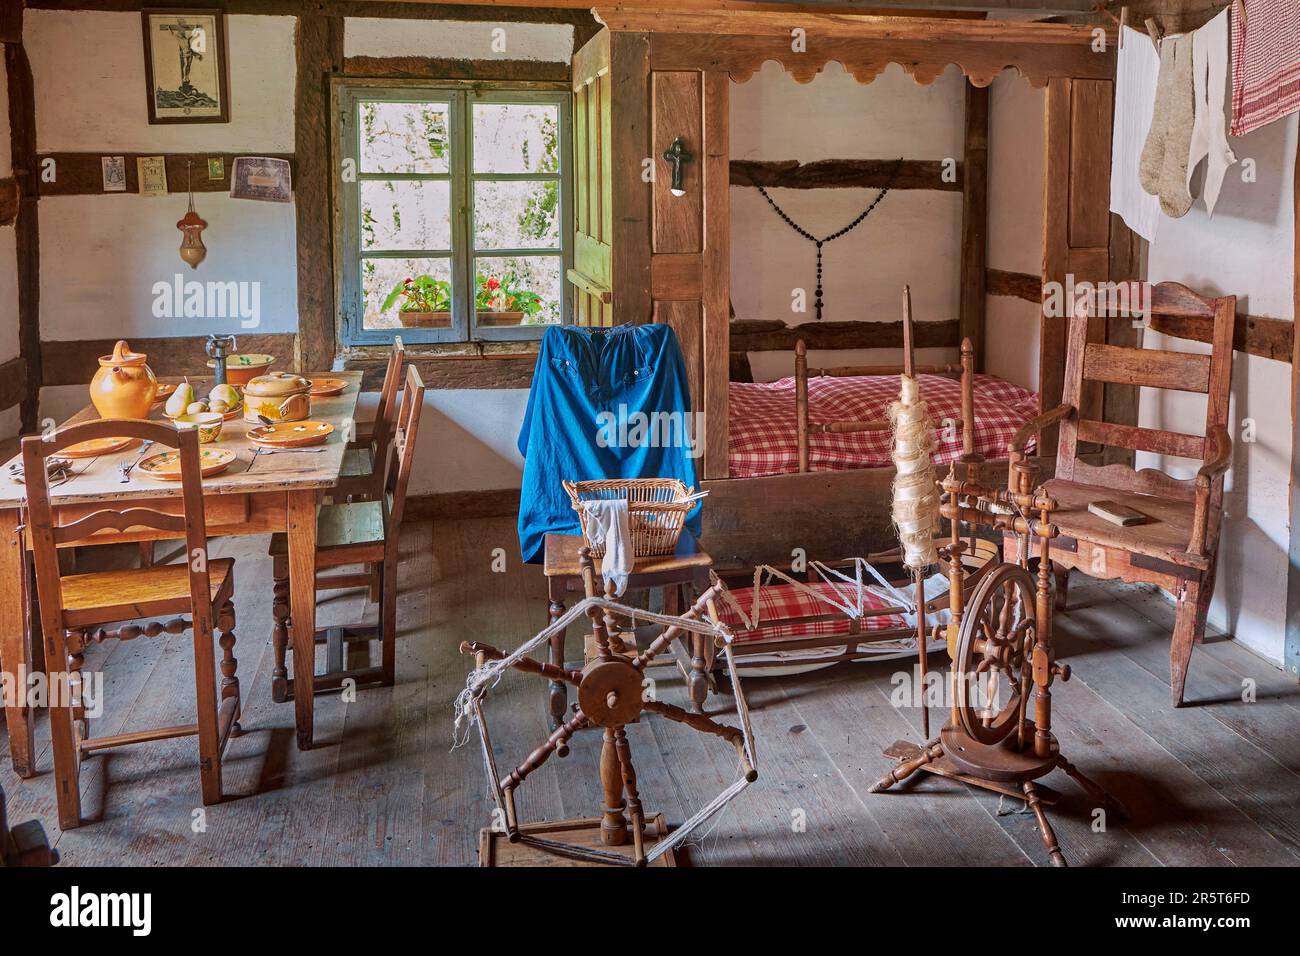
column 1214, row 783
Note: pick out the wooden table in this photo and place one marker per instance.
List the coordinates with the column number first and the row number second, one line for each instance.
column 688, row 564
column 259, row 495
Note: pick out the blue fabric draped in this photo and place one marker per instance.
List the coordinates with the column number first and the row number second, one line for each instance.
column 588, row 387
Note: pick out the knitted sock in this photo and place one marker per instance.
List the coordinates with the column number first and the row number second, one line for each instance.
column 1153, row 153
column 1175, row 199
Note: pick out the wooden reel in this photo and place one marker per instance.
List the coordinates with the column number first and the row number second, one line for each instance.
column 993, row 664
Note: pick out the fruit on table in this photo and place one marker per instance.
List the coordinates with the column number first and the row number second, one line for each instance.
column 196, row 408
column 180, row 400
column 225, row 394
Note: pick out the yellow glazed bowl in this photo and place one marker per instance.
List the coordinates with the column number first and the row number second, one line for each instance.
column 207, row 423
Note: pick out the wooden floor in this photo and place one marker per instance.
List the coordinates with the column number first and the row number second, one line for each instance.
column 1215, row 783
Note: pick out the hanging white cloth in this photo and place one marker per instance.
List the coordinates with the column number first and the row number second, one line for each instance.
column 607, row 521
column 1135, row 91
column 1209, row 131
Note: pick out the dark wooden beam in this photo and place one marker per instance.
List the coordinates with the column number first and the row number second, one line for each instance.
column 11, row 23
column 495, row 503
column 80, row 174
column 75, row 362
column 974, row 220
column 773, row 335
column 319, row 54
column 10, row 200
column 1019, row 285
column 22, row 140
column 441, row 68
column 13, row 382
column 844, row 174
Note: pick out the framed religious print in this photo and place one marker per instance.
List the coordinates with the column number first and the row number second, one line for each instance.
column 185, row 67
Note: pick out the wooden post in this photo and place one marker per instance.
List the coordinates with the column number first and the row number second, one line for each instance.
column 22, row 132
column 975, row 218
column 320, row 52
column 1291, row 645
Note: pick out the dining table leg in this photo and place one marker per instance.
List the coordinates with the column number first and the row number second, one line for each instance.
column 301, row 529
column 15, row 660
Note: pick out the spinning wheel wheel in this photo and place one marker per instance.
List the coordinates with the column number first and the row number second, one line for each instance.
column 610, row 694
column 992, row 667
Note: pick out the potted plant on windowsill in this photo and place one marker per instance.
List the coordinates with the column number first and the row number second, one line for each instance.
column 425, row 302
column 499, row 302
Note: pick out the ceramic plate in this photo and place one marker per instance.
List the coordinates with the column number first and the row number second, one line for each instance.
column 96, row 447
column 164, row 392
column 167, row 466
column 290, row 434
column 327, row 386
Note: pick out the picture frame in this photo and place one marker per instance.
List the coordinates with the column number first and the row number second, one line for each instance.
column 262, row 179
column 186, row 67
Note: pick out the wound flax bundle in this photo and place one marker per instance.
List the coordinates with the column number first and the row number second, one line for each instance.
column 916, row 498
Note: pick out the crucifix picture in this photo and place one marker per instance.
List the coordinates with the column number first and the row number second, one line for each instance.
column 185, row 67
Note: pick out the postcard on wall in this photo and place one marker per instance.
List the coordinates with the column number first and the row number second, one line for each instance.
column 216, row 167
column 264, row 179
column 185, row 66
column 152, row 171
column 114, row 173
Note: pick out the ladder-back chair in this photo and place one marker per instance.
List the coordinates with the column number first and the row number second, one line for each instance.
column 75, row 609
column 354, row 533
column 363, row 462
column 1177, row 547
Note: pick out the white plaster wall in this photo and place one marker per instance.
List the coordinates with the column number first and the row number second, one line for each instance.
column 88, row 70
column 101, row 255
column 1246, row 250
column 466, row 41
column 773, row 117
column 1015, row 239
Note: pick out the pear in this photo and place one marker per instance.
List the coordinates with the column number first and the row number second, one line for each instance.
column 226, row 394
column 179, row 400
column 196, row 408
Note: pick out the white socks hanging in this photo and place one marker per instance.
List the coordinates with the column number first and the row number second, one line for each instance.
column 1209, row 131
column 1163, row 169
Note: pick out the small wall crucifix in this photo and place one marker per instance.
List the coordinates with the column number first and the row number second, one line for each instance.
column 676, row 154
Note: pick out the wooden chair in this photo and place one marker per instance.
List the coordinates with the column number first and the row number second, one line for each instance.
column 1178, row 548
column 74, row 609
column 354, row 533
column 362, row 475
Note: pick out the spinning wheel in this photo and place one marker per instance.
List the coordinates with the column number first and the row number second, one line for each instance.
column 1002, row 662
column 994, row 654
column 611, row 693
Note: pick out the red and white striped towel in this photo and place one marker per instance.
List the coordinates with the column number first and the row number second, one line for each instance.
column 765, row 436
column 1265, row 63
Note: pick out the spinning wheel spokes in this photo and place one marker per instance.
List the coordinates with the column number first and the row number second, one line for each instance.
column 994, row 643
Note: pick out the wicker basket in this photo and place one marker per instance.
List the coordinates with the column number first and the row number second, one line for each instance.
column 655, row 508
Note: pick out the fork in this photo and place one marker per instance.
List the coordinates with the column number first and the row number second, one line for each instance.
column 127, row 467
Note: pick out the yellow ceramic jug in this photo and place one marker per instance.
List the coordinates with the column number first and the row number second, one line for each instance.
column 124, row 387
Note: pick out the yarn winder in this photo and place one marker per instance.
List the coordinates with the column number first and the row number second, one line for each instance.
column 1001, row 650
column 611, row 693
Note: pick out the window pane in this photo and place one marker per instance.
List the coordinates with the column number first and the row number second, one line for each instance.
column 516, row 215
column 404, row 214
column 404, row 137
column 516, row 139
column 518, row 290
column 379, row 277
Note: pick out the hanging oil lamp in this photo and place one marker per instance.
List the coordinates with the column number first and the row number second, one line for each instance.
column 191, row 226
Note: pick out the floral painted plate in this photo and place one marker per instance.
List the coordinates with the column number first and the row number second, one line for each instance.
column 96, row 447
column 290, row 434
column 322, row 386
column 167, row 466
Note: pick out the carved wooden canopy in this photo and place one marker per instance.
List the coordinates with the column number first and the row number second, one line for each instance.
column 740, row 42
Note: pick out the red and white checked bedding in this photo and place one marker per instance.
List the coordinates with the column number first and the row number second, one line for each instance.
column 780, row 604
column 764, row 432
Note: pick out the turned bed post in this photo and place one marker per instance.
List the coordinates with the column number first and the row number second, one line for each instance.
column 801, row 401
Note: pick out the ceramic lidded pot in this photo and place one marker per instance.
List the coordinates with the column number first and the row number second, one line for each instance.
column 124, row 386
column 278, row 397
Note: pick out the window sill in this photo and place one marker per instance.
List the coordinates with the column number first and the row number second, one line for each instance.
column 450, row 365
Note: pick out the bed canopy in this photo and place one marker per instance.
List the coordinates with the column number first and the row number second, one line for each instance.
column 644, row 253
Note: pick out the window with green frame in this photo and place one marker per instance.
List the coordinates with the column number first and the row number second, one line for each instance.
column 453, row 211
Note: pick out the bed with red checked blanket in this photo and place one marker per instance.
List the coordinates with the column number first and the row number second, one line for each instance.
column 764, row 432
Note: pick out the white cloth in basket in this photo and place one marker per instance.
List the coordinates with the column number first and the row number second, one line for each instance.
column 607, row 521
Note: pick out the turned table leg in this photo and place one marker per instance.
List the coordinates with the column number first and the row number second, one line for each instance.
column 301, row 527
column 559, row 694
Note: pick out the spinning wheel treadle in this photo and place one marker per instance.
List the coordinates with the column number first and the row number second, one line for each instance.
column 611, row 694
column 1002, row 661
